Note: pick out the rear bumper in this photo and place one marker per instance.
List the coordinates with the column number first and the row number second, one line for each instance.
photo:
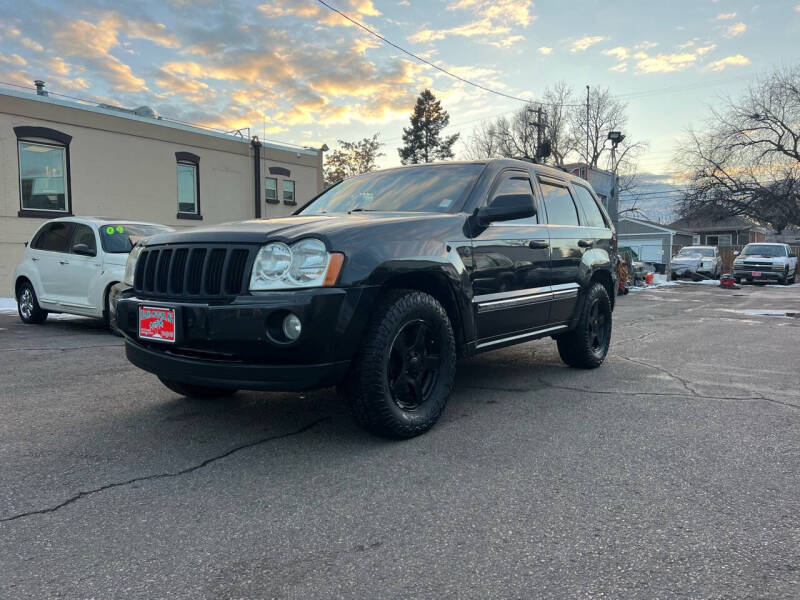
column 169, row 365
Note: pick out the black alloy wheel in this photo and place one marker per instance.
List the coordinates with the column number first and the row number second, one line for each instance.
column 413, row 365
column 598, row 327
column 401, row 378
column 586, row 346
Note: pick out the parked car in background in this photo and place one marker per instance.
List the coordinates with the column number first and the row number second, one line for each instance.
column 378, row 285
column 71, row 263
column 765, row 261
column 696, row 262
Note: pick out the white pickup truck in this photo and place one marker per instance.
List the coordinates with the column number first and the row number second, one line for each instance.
column 765, row 261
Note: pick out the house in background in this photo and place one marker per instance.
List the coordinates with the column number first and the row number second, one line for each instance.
column 651, row 242
column 721, row 230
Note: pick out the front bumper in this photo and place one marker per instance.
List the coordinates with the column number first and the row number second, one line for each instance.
column 235, row 345
column 689, row 271
column 765, row 273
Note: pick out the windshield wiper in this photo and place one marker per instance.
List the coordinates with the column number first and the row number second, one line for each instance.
column 352, row 210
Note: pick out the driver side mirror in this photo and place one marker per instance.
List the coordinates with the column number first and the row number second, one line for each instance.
column 506, row 208
column 83, row 250
column 793, row 255
column 736, row 253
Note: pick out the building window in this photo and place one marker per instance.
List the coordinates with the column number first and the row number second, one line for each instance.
column 188, row 185
column 695, row 240
column 43, row 177
column 44, row 184
column 271, row 190
column 718, row 240
column 288, row 192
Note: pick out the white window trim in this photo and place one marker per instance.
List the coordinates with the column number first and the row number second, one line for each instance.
column 64, row 150
column 179, row 164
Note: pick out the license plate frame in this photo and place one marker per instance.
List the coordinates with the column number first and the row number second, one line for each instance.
column 161, row 324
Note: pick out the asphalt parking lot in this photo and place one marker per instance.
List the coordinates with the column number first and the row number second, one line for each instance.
column 672, row 471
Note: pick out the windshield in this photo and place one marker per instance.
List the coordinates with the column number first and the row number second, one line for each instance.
column 116, row 238
column 763, row 250
column 430, row 188
column 693, row 252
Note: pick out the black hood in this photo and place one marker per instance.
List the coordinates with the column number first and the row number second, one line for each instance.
column 340, row 227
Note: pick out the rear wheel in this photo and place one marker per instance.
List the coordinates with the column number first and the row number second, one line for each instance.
column 190, row 390
column 402, row 376
column 586, row 346
column 28, row 305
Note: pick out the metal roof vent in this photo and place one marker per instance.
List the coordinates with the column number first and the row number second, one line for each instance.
column 145, row 111
column 40, row 91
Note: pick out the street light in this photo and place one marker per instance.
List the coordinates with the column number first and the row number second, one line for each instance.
column 616, row 138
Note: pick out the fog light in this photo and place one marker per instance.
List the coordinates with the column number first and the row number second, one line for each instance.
column 292, row 326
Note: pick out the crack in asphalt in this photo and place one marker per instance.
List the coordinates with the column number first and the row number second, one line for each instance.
column 683, row 382
column 205, row 463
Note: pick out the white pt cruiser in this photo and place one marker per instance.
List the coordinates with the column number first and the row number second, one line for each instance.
column 71, row 263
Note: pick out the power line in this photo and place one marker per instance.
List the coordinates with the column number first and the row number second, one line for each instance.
column 429, row 63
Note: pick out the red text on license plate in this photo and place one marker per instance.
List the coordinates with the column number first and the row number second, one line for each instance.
column 756, row 273
column 157, row 324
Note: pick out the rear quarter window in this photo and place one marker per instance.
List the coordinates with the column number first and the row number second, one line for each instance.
column 53, row 237
column 594, row 218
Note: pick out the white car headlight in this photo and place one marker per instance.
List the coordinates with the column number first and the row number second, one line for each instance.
column 130, row 265
column 278, row 266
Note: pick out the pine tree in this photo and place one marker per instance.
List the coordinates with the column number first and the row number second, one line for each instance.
column 422, row 141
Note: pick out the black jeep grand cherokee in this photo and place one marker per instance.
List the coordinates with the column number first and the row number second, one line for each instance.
column 377, row 286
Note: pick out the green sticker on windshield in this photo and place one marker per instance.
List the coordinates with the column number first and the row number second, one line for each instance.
column 110, row 230
column 120, row 229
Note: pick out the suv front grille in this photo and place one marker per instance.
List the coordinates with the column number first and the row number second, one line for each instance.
column 193, row 270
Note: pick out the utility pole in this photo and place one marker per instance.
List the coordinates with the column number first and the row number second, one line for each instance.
column 587, row 130
column 538, row 131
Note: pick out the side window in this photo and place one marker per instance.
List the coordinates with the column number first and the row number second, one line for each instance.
column 559, row 204
column 53, row 237
column 513, row 185
column 594, row 218
column 271, row 190
column 288, row 192
column 83, row 234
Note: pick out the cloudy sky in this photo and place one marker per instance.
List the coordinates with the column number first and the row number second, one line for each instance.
column 294, row 71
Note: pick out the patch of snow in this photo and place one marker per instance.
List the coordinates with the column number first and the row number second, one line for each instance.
column 703, row 282
column 760, row 312
column 658, row 281
column 8, row 306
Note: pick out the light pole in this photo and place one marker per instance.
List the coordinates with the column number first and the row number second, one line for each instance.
column 616, row 138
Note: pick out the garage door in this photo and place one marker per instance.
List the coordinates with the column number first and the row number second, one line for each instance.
column 649, row 250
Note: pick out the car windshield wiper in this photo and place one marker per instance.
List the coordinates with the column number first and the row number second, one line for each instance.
column 352, row 210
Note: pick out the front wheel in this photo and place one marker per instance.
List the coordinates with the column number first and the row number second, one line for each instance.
column 190, row 390
column 403, row 373
column 586, row 346
column 28, row 305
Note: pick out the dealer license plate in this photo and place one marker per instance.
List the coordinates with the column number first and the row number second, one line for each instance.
column 157, row 324
column 756, row 273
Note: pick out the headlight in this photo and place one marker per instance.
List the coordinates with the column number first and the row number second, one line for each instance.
column 130, row 265
column 303, row 264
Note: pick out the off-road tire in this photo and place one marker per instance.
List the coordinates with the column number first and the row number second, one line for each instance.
column 366, row 387
column 576, row 347
column 30, row 312
column 190, row 390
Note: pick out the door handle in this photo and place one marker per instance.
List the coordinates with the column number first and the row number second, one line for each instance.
column 538, row 244
column 34, row 259
column 585, row 243
column 63, row 262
